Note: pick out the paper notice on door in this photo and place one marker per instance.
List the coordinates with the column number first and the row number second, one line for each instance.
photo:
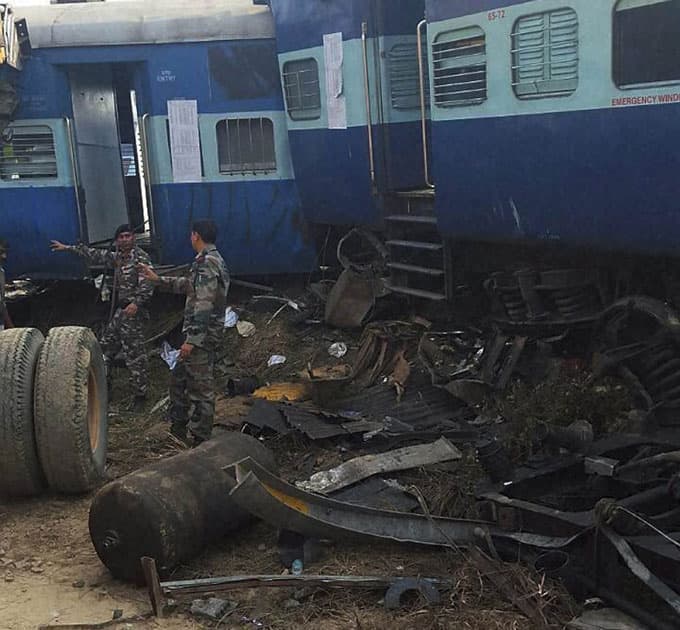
column 335, row 97
column 185, row 146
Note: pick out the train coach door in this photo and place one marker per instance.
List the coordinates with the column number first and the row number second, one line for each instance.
column 399, row 31
column 98, row 149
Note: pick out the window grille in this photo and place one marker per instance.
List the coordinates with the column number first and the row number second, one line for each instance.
column 27, row 152
column 404, row 79
column 545, row 54
column 246, row 145
column 646, row 42
column 459, row 62
column 301, row 87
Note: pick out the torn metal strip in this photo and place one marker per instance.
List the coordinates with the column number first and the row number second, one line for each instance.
column 640, row 571
column 285, row 507
column 358, row 468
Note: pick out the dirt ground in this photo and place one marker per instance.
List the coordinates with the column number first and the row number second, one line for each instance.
column 50, row 574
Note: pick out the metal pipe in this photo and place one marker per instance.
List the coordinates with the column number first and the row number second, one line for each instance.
column 369, row 115
column 76, row 177
column 423, row 110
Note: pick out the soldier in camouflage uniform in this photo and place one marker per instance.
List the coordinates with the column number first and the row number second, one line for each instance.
column 193, row 381
column 5, row 319
column 132, row 294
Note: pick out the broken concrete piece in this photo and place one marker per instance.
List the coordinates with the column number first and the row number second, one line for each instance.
column 360, row 468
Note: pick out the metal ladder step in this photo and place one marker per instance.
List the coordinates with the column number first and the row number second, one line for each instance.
column 433, row 247
column 412, row 218
column 428, row 295
column 428, row 271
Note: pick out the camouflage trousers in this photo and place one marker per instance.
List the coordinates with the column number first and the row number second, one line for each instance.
column 127, row 334
column 192, row 383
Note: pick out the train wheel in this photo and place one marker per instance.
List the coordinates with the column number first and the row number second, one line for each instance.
column 20, row 472
column 71, row 409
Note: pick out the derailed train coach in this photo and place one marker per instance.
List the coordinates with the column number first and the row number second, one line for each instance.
column 152, row 113
column 557, row 121
column 516, row 135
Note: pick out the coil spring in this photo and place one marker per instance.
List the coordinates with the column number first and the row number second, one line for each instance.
column 575, row 302
column 513, row 302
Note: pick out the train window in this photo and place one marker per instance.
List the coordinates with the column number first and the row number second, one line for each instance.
column 545, row 54
column 27, row 152
column 646, row 42
column 404, row 79
column 301, row 86
column 459, row 63
column 246, row 145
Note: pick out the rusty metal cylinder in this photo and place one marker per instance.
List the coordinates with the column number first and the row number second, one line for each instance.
column 171, row 509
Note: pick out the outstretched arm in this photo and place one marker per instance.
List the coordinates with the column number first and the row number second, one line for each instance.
column 165, row 283
column 94, row 256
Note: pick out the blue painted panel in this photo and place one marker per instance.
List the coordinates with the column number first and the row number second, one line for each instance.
column 332, row 173
column 43, row 89
column 29, row 219
column 261, row 227
column 602, row 178
column 221, row 76
column 437, row 10
column 301, row 25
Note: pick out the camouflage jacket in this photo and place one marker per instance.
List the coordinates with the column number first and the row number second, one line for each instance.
column 3, row 305
column 206, row 289
column 130, row 287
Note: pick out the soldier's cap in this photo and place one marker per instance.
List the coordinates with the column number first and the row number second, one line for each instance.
column 125, row 227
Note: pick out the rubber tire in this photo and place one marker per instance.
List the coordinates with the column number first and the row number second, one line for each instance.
column 71, row 407
column 20, row 472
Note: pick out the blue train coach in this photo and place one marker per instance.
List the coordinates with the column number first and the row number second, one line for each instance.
column 154, row 113
column 556, row 121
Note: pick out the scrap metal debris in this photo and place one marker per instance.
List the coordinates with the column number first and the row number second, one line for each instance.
column 353, row 470
column 285, row 506
column 396, row 587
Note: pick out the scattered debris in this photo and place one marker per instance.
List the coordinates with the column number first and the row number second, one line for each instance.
column 284, row 506
column 605, row 619
column 338, row 350
column 230, row 317
column 289, row 392
column 396, row 587
column 245, row 329
column 211, row 608
column 328, row 481
column 169, row 355
column 276, row 359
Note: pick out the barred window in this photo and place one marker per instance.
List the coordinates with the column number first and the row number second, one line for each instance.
column 459, row 63
column 545, row 54
column 646, row 42
column 404, row 79
column 246, row 145
column 301, row 86
column 27, row 152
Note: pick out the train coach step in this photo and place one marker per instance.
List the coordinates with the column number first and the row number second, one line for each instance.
column 428, row 271
column 412, row 218
column 434, row 247
column 428, row 295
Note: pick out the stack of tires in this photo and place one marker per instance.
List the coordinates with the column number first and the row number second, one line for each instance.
column 53, row 411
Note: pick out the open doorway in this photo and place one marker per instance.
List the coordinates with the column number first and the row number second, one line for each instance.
column 111, row 171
